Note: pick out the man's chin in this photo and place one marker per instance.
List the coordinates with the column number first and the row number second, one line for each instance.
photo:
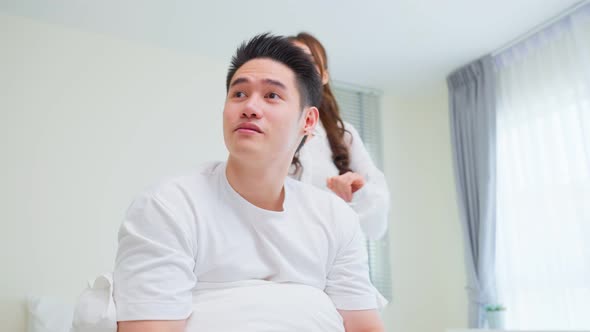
column 247, row 151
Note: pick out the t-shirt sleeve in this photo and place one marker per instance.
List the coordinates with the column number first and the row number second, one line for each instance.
column 153, row 277
column 348, row 283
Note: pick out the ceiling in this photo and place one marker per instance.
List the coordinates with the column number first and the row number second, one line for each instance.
column 405, row 45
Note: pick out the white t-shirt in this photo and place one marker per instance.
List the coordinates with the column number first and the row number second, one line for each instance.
column 196, row 232
column 371, row 202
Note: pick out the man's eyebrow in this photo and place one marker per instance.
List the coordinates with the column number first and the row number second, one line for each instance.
column 275, row 83
column 239, row 80
column 268, row 81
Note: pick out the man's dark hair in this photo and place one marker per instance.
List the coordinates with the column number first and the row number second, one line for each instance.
column 280, row 49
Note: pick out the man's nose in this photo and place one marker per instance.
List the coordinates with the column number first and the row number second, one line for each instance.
column 253, row 108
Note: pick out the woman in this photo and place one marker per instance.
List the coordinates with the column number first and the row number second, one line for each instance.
column 335, row 158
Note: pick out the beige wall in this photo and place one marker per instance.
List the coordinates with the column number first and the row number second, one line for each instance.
column 87, row 121
column 426, row 238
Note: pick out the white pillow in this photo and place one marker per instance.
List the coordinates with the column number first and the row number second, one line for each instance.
column 49, row 314
column 95, row 308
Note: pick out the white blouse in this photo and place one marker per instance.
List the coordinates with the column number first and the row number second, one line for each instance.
column 371, row 202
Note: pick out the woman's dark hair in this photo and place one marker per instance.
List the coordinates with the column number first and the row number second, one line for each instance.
column 329, row 111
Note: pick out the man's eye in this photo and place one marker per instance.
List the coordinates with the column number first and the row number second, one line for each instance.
column 273, row 95
column 239, row 94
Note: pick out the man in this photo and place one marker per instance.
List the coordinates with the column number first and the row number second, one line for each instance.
column 238, row 246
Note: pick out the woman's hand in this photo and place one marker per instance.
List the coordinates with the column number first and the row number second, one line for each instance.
column 346, row 184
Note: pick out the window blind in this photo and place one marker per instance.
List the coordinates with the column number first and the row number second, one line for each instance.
column 361, row 108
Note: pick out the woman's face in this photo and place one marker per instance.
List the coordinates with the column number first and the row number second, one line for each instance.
column 324, row 73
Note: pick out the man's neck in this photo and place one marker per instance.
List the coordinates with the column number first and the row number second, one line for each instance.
column 262, row 186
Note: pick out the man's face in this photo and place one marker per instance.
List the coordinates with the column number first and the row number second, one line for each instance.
column 262, row 118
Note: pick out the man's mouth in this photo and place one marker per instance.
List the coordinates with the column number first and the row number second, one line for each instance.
column 249, row 127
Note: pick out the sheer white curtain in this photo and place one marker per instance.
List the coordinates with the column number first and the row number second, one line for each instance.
column 543, row 172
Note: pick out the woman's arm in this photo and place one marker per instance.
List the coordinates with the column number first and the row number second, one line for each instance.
column 371, row 202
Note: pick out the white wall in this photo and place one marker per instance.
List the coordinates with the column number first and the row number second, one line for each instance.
column 426, row 239
column 86, row 122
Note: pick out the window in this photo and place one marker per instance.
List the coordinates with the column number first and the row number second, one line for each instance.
column 543, row 172
column 360, row 108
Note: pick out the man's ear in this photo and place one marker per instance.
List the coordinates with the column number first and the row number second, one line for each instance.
column 325, row 77
column 312, row 116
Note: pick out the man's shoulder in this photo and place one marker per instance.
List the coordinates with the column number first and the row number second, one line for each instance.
column 307, row 193
column 328, row 209
column 185, row 187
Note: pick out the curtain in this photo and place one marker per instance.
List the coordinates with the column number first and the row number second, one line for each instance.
column 473, row 127
column 543, row 177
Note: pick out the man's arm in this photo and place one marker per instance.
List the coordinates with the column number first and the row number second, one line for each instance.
column 154, row 274
column 152, row 326
column 362, row 321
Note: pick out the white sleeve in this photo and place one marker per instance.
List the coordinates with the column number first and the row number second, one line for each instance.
column 153, row 276
column 348, row 283
column 371, row 202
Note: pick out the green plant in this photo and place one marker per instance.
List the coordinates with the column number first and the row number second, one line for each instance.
column 495, row 307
